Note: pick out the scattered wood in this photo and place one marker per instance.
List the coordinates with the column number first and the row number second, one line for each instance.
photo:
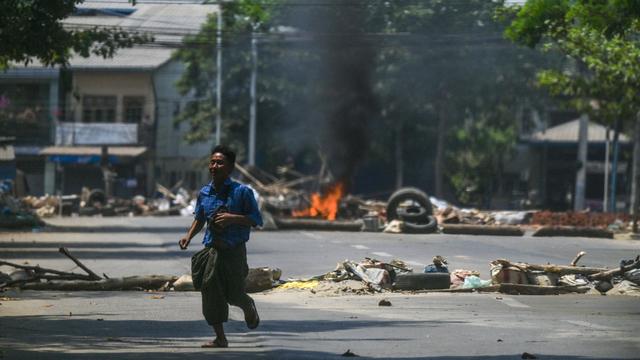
column 608, row 274
column 575, row 260
column 37, row 270
column 151, row 282
column 556, row 269
column 37, row 273
column 66, row 253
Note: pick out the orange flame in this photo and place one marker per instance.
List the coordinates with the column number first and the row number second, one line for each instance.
column 325, row 206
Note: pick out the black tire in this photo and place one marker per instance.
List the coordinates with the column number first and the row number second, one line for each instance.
column 403, row 195
column 414, row 214
column 422, row 281
column 96, row 196
column 88, row 211
column 414, row 228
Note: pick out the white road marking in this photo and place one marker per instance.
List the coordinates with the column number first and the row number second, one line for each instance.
column 414, row 263
column 513, row 302
column 382, row 254
column 311, row 235
column 589, row 325
column 360, row 247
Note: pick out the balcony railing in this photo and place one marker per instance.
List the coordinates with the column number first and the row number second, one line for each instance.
column 71, row 133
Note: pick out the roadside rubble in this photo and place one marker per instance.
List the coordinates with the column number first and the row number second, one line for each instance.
column 14, row 214
column 373, row 276
column 291, row 200
column 29, row 277
column 178, row 201
column 364, row 277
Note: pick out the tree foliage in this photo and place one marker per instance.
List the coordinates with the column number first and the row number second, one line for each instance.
column 423, row 61
column 602, row 40
column 33, row 30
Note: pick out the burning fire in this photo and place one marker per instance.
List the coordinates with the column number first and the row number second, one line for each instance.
column 325, row 206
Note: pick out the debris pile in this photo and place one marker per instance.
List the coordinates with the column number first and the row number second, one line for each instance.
column 94, row 202
column 532, row 279
column 373, row 276
column 14, row 214
column 39, row 278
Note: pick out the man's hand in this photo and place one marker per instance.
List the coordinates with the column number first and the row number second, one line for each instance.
column 183, row 243
column 222, row 220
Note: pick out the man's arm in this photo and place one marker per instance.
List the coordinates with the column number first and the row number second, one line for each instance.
column 195, row 228
column 226, row 219
column 249, row 216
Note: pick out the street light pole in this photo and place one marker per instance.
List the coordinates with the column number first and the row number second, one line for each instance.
column 253, row 110
column 219, row 77
column 581, row 175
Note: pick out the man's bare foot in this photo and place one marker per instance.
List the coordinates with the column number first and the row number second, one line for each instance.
column 217, row 343
column 252, row 319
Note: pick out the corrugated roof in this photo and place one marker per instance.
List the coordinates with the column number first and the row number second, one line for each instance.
column 131, row 151
column 168, row 23
column 7, row 153
column 568, row 133
column 139, row 58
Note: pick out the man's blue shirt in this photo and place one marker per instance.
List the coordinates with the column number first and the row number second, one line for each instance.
column 240, row 200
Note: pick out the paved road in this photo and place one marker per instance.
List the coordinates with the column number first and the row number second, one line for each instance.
column 299, row 324
column 129, row 246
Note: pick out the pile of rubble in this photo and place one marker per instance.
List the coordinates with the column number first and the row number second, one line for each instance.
column 95, row 202
column 14, row 214
column 370, row 276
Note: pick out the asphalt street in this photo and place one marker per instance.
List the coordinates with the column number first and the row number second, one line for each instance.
column 300, row 324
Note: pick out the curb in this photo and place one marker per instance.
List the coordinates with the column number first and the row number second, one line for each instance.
column 573, row 231
column 482, row 230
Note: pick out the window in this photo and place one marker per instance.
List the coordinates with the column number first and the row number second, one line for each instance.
column 98, row 108
column 133, row 109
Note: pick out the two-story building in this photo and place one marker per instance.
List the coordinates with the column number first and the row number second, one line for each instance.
column 123, row 105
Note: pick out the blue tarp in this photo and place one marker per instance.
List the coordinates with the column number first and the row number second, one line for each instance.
column 7, row 170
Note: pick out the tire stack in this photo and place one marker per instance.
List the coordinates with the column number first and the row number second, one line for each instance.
column 418, row 217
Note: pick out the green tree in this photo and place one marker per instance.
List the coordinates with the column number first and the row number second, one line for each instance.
column 430, row 68
column 602, row 40
column 32, row 29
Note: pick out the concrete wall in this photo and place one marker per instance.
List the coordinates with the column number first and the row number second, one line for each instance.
column 175, row 158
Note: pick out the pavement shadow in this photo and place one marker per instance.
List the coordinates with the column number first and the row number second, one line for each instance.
column 230, row 353
column 64, row 337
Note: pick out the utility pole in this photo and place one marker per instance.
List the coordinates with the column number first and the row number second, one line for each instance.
column 398, row 155
column 581, row 174
column 219, row 77
column 635, row 174
column 613, row 206
column 252, row 110
column 607, row 145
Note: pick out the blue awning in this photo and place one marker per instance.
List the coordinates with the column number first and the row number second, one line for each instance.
column 81, row 159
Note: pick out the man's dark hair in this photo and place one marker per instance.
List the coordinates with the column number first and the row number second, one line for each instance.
column 229, row 154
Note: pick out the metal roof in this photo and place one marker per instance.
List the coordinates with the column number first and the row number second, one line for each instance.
column 131, row 151
column 168, row 23
column 124, row 59
column 568, row 133
column 7, row 153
